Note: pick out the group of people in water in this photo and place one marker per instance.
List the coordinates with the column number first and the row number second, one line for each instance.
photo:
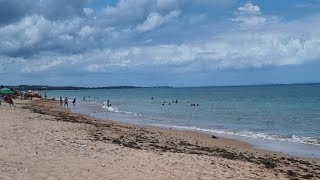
column 65, row 102
column 176, row 102
column 164, row 102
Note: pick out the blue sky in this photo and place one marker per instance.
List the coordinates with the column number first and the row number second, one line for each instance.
column 159, row 42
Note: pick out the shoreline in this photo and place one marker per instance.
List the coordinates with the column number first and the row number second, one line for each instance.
column 163, row 142
column 269, row 145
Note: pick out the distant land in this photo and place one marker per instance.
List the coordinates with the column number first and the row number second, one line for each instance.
column 45, row 87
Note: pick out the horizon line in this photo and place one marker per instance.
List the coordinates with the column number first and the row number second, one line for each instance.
column 161, row 86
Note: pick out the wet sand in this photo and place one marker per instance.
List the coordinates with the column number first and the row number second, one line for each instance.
column 40, row 140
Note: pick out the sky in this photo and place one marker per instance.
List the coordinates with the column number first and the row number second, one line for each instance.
column 159, row 42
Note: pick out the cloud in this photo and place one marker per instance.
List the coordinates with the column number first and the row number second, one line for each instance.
column 86, row 31
column 127, row 10
column 41, row 66
column 14, row 10
column 250, row 9
column 260, row 50
column 249, row 15
column 135, row 11
column 155, row 20
column 59, row 9
column 88, row 11
column 35, row 33
column 136, row 36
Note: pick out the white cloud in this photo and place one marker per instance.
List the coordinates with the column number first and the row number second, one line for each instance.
column 155, row 20
column 269, row 46
column 136, row 11
column 310, row 50
column 41, row 66
column 259, row 50
column 127, row 10
column 249, row 8
column 66, row 37
column 88, row 11
column 34, row 30
column 249, row 15
column 86, row 31
column 250, row 21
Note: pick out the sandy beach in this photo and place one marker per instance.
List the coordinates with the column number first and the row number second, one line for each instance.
column 40, row 140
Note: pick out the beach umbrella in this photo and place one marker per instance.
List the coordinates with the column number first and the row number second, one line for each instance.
column 6, row 91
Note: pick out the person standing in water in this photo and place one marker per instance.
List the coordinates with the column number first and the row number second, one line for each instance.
column 74, row 101
column 65, row 102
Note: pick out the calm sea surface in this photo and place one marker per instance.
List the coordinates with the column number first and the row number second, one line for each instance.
column 280, row 114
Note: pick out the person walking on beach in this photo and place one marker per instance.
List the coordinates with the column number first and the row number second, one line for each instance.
column 10, row 101
column 61, row 101
column 65, row 102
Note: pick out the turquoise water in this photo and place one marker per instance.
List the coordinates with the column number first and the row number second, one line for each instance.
column 281, row 113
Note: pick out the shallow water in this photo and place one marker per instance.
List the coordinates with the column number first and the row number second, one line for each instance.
column 277, row 113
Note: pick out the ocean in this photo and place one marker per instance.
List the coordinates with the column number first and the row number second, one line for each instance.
column 283, row 118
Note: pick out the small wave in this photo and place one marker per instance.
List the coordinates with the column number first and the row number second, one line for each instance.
column 255, row 135
column 132, row 113
column 116, row 110
column 110, row 108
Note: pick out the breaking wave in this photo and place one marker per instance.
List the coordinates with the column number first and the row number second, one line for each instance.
column 116, row 110
column 255, row 135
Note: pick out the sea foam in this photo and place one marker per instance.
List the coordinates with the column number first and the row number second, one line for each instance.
column 114, row 109
column 255, row 135
column 110, row 108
